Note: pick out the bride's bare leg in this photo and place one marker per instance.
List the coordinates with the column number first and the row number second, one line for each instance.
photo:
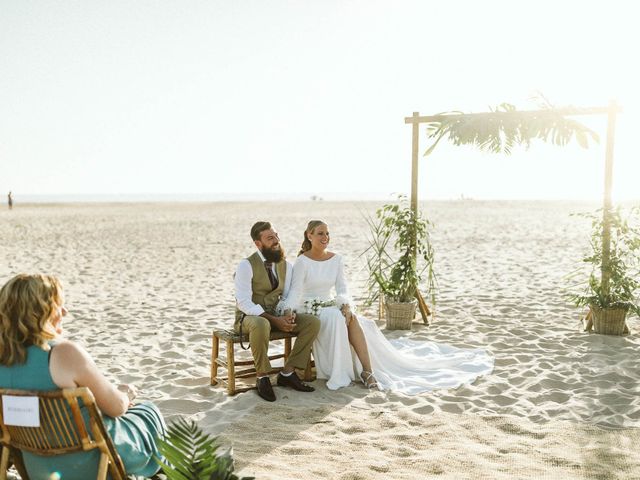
column 357, row 340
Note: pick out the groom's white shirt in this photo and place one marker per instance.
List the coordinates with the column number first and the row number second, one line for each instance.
column 242, row 280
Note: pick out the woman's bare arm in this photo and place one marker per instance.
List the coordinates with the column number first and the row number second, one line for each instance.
column 72, row 366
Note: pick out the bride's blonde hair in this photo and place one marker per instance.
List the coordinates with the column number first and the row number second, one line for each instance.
column 306, row 243
column 27, row 304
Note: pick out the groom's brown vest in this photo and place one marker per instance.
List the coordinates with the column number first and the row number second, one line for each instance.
column 262, row 292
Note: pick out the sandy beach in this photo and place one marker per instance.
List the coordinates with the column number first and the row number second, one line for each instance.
column 147, row 283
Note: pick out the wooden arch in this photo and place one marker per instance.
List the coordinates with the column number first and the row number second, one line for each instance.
column 611, row 111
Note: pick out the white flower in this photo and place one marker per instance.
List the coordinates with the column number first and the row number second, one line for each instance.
column 314, row 305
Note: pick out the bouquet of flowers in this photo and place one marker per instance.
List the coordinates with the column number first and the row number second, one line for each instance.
column 314, row 305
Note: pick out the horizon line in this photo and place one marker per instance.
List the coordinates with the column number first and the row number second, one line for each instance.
column 271, row 197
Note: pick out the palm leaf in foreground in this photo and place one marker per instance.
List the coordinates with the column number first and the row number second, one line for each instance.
column 191, row 454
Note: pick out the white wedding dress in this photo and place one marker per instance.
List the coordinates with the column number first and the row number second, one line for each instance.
column 403, row 365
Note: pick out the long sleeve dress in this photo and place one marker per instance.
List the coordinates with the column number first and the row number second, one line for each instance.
column 407, row 366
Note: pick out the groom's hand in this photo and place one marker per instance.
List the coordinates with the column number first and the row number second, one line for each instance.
column 286, row 323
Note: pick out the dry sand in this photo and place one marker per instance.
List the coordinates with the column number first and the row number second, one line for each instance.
column 146, row 284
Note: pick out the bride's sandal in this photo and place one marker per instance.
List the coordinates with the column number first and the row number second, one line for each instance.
column 369, row 380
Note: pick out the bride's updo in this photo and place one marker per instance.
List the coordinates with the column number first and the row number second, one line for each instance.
column 306, row 243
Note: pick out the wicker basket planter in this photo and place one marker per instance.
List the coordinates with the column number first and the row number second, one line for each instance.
column 400, row 315
column 609, row 321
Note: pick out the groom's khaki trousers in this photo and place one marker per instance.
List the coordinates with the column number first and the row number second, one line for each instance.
column 259, row 329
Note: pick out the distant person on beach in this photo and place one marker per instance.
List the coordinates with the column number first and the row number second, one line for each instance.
column 319, row 286
column 10, row 200
column 34, row 356
column 260, row 281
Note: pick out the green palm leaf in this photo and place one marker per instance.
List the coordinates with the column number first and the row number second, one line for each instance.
column 191, row 454
column 499, row 130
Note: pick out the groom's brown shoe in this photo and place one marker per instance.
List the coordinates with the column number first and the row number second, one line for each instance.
column 294, row 382
column 265, row 390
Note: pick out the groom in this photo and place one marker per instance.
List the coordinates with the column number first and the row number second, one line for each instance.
column 260, row 281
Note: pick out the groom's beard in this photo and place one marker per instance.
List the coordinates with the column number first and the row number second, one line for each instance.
column 271, row 255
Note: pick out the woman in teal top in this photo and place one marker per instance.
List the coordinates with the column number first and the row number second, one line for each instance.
column 33, row 356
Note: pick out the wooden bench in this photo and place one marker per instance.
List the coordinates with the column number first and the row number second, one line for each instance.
column 232, row 338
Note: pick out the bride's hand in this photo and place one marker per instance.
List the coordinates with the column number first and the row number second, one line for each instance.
column 346, row 311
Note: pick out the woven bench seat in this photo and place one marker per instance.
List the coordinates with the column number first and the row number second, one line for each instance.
column 231, row 338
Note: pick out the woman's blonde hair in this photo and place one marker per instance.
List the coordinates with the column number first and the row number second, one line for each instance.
column 306, row 243
column 27, row 304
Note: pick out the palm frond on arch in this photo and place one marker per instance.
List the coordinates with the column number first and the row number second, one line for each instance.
column 504, row 127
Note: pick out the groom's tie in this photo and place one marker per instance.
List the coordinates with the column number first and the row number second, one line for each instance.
column 272, row 277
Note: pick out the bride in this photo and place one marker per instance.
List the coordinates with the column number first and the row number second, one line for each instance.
column 349, row 346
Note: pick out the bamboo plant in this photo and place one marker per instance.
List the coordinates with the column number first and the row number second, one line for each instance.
column 400, row 254
column 614, row 280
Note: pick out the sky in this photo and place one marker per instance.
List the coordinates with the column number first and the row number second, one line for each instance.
column 273, row 98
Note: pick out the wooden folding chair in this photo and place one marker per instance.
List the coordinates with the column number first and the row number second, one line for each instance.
column 62, row 430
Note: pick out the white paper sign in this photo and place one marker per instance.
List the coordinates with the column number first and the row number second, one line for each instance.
column 21, row 411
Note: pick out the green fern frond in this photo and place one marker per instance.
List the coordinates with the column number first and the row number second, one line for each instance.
column 191, row 454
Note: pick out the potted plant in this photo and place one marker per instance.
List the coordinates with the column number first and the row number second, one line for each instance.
column 398, row 257
column 614, row 282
